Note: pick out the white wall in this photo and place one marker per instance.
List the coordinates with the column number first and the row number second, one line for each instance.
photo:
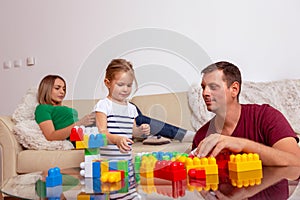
column 167, row 41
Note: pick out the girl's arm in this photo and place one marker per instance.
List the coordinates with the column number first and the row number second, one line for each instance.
column 121, row 142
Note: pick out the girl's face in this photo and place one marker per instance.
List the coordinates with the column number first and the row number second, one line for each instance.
column 120, row 87
column 58, row 92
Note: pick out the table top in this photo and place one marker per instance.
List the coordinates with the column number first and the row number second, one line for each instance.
column 279, row 182
column 276, row 181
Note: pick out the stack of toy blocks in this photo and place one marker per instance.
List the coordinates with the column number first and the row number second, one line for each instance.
column 245, row 169
column 108, row 176
column 204, row 174
column 160, row 172
column 87, row 137
column 54, row 183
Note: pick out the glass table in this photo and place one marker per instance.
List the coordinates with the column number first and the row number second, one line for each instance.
column 277, row 183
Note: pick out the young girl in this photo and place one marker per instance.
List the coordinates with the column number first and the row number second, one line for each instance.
column 115, row 116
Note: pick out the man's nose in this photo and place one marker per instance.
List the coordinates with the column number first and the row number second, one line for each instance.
column 205, row 91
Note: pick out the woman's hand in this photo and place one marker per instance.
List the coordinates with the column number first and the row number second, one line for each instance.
column 87, row 120
column 123, row 143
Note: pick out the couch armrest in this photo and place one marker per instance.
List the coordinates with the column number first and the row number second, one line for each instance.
column 9, row 148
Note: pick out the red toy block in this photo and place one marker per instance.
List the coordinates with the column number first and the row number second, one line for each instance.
column 76, row 134
column 197, row 173
column 170, row 170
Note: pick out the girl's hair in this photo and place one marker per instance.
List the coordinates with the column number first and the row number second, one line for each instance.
column 119, row 65
column 45, row 88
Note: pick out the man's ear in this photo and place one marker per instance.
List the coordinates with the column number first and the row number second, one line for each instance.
column 107, row 83
column 235, row 88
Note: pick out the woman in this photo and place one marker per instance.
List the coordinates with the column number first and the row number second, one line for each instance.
column 54, row 119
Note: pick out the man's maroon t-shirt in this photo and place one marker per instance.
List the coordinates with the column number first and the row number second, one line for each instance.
column 260, row 123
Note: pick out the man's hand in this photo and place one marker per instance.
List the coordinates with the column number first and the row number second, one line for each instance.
column 215, row 143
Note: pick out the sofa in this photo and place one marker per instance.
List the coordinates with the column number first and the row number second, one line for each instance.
column 15, row 159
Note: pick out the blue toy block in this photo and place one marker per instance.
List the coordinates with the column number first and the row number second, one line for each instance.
column 54, row 177
column 97, row 140
column 96, row 169
column 113, row 164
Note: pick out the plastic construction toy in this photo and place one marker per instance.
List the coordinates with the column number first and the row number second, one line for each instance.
column 54, row 177
column 170, row 170
column 112, row 176
column 208, row 164
column 87, row 137
column 244, row 162
column 246, row 178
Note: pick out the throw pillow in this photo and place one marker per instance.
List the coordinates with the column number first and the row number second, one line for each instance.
column 28, row 132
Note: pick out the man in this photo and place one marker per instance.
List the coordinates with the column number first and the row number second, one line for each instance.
column 236, row 127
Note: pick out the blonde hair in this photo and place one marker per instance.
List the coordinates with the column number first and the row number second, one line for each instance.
column 45, row 88
column 119, row 65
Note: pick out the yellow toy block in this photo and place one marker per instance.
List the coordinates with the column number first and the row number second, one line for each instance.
column 83, row 196
column 104, row 166
column 111, row 176
column 84, row 143
column 147, row 166
column 212, row 181
column 247, row 178
column 210, row 165
column 244, row 162
column 192, row 163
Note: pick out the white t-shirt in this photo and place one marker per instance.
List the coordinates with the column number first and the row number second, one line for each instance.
column 120, row 119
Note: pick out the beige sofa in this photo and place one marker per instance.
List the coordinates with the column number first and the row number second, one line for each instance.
column 172, row 108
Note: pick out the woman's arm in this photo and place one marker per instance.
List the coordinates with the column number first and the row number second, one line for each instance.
column 51, row 134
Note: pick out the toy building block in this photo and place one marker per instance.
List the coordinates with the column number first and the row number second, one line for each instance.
column 212, row 182
column 197, row 173
column 246, row 178
column 147, row 166
column 147, row 185
column 196, row 184
column 54, row 193
column 244, row 162
column 83, row 144
column 97, row 140
column 54, row 177
column 209, row 164
column 87, row 166
column 76, row 134
column 170, row 170
column 112, row 176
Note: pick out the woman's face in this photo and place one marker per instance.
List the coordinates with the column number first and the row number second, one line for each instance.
column 58, row 92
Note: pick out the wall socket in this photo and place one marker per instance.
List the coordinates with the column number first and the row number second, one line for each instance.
column 7, row 65
column 17, row 63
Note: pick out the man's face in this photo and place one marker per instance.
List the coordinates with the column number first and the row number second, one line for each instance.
column 215, row 91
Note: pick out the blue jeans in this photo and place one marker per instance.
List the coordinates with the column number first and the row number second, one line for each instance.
column 158, row 127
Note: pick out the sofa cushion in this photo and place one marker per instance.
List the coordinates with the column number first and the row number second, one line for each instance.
column 42, row 160
column 27, row 131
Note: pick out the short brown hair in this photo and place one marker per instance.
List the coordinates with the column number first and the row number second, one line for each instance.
column 231, row 73
column 45, row 88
